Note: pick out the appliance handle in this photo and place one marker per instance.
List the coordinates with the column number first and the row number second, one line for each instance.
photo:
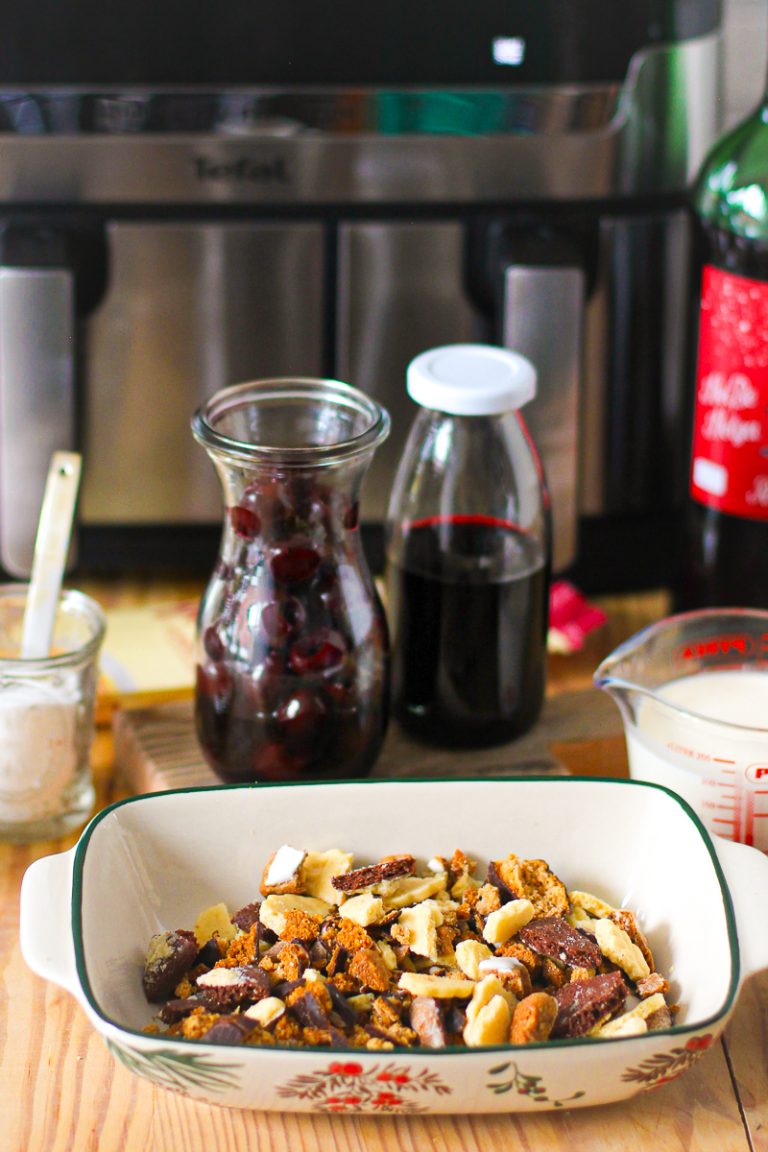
column 37, row 398
column 542, row 316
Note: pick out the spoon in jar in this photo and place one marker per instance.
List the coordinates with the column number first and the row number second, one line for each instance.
column 54, row 529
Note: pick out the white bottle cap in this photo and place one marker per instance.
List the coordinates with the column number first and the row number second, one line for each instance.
column 471, row 379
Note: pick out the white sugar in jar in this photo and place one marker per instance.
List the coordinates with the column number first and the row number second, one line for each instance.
column 46, row 719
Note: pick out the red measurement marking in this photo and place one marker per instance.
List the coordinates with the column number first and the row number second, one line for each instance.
column 719, row 820
column 749, row 819
column 717, row 760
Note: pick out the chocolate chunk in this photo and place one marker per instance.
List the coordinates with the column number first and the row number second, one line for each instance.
column 245, row 917
column 259, row 984
column 308, row 1011
column 346, row 1011
column 209, row 954
column 285, row 987
column 428, row 1023
column 230, row 1030
column 554, row 937
column 169, row 956
column 338, row 961
column 494, row 877
column 318, row 955
column 374, row 874
column 583, row 1003
column 455, row 1017
column 174, row 1010
column 339, row 1040
column 252, row 984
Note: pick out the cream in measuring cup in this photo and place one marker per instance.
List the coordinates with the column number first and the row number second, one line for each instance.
column 693, row 693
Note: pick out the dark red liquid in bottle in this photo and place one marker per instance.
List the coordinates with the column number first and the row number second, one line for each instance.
column 470, row 624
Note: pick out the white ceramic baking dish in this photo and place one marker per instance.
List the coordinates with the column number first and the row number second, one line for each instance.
column 154, row 862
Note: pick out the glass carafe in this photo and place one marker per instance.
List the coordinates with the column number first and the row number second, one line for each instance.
column 292, row 647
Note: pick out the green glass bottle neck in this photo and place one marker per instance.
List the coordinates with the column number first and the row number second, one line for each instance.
column 731, row 192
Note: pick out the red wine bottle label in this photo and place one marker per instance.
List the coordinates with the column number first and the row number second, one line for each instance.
column 729, row 460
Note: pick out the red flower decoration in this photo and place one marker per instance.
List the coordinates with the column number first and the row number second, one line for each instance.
column 345, row 1069
column 700, row 1043
column 663, row 1080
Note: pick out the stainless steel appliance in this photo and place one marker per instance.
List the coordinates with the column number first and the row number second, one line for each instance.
column 194, row 196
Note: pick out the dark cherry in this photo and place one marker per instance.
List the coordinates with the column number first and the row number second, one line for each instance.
column 320, row 652
column 275, row 502
column 213, row 643
column 327, row 577
column 302, row 717
column 343, row 695
column 272, row 663
column 252, row 699
column 294, row 563
column 312, row 500
column 215, row 681
column 352, row 516
column 273, row 762
column 282, row 618
column 245, row 522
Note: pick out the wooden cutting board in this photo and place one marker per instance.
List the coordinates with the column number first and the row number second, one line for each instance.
column 156, row 748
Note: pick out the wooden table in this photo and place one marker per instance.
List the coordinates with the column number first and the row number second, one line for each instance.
column 60, row 1090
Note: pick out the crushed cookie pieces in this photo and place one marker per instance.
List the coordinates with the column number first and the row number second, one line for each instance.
column 386, row 956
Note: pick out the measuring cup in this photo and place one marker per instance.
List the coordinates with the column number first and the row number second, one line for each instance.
column 693, row 694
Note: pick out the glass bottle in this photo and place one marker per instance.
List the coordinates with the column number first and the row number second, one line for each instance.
column 468, row 552
column 292, row 650
column 725, row 538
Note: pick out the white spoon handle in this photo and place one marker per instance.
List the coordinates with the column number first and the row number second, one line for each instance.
column 51, row 546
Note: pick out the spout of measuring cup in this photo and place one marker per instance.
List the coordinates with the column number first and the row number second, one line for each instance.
column 624, row 696
column 615, row 677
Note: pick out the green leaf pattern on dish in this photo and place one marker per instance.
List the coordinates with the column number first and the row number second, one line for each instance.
column 179, row 1071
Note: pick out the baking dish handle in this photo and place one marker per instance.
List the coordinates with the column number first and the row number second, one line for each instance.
column 45, row 928
column 746, row 871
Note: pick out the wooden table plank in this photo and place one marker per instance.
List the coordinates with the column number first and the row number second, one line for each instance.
column 746, row 1042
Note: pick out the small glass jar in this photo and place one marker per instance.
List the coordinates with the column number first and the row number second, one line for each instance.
column 46, row 719
column 468, row 552
column 292, row 649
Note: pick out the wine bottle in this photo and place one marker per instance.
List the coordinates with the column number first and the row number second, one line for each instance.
column 725, row 536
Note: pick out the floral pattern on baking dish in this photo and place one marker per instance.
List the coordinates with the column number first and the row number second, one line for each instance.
column 524, row 1085
column 666, row 1066
column 345, row 1086
column 179, row 1071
